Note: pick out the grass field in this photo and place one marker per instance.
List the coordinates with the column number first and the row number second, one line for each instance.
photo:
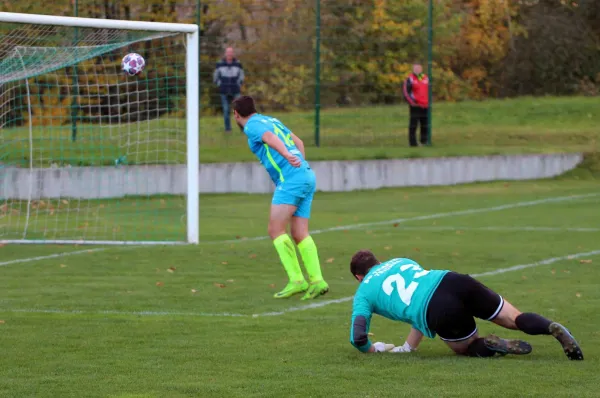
column 200, row 321
column 523, row 125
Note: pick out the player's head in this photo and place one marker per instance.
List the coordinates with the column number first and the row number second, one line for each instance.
column 361, row 263
column 417, row 69
column 229, row 54
column 243, row 108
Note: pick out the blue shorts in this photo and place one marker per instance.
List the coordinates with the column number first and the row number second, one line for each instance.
column 297, row 192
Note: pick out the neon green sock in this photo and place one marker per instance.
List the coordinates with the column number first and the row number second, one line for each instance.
column 310, row 256
column 287, row 254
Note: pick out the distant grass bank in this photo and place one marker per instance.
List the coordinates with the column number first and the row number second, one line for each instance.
column 515, row 126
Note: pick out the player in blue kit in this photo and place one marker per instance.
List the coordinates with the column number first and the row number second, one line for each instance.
column 440, row 302
column 282, row 154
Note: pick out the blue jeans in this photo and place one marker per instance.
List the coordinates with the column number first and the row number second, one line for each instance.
column 226, row 104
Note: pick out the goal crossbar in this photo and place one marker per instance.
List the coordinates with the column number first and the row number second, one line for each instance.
column 96, row 23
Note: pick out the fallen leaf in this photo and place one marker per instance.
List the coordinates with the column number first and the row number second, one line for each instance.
column 221, row 285
column 578, row 295
column 272, row 285
column 2, row 245
column 329, row 260
column 523, row 277
column 160, row 284
column 63, row 266
column 2, row 322
column 230, row 280
column 224, row 262
column 553, row 272
column 252, row 255
column 238, row 237
column 459, row 232
column 567, row 271
column 172, row 269
column 194, row 291
column 387, row 248
column 585, row 261
column 417, row 249
column 395, row 225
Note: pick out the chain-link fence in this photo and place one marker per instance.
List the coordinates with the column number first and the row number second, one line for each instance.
column 334, row 71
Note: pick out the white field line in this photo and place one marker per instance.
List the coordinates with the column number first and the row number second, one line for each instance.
column 499, row 229
column 426, row 217
column 314, row 305
column 487, row 273
column 56, row 255
column 339, row 228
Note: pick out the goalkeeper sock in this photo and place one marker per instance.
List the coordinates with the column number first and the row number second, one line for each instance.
column 531, row 323
column 310, row 256
column 287, row 254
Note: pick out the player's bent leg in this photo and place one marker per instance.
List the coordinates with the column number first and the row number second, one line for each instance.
column 535, row 324
column 280, row 216
column 306, row 245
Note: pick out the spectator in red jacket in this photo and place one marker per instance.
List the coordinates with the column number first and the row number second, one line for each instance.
column 416, row 93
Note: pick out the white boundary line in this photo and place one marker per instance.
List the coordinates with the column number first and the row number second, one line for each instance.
column 499, row 229
column 56, row 255
column 318, row 304
column 339, row 228
column 420, row 218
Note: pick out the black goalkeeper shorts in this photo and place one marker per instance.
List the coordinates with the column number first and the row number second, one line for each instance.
column 455, row 303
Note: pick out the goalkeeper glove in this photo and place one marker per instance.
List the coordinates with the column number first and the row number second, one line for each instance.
column 382, row 347
column 403, row 348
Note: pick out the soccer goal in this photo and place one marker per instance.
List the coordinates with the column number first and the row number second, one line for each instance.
column 89, row 154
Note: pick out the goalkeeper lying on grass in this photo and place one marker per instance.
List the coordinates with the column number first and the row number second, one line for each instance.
column 443, row 303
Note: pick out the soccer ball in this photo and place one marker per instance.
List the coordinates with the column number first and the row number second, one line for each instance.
column 133, row 64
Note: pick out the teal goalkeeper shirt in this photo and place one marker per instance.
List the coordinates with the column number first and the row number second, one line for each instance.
column 398, row 289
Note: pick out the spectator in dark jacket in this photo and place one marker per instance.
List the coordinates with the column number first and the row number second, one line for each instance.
column 416, row 93
column 229, row 76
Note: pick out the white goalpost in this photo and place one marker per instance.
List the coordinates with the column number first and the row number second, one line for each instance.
column 88, row 154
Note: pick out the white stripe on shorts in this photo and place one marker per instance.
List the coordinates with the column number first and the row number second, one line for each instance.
column 461, row 339
column 495, row 314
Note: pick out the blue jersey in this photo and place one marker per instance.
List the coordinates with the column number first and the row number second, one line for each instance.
column 398, row 289
column 277, row 166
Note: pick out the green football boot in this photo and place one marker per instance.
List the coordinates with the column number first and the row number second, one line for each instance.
column 292, row 288
column 316, row 289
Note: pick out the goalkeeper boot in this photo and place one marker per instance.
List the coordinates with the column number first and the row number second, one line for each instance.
column 316, row 289
column 504, row 346
column 568, row 342
column 292, row 288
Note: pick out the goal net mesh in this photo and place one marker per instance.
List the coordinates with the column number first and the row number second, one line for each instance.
column 88, row 153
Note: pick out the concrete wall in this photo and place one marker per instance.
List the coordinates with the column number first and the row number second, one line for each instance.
column 106, row 182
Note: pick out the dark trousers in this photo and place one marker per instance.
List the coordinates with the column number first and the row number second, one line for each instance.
column 418, row 116
column 226, row 104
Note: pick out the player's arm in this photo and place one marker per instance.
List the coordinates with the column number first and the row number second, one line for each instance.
column 359, row 328
column 414, row 338
column 299, row 144
column 274, row 142
column 412, row 341
column 407, row 90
